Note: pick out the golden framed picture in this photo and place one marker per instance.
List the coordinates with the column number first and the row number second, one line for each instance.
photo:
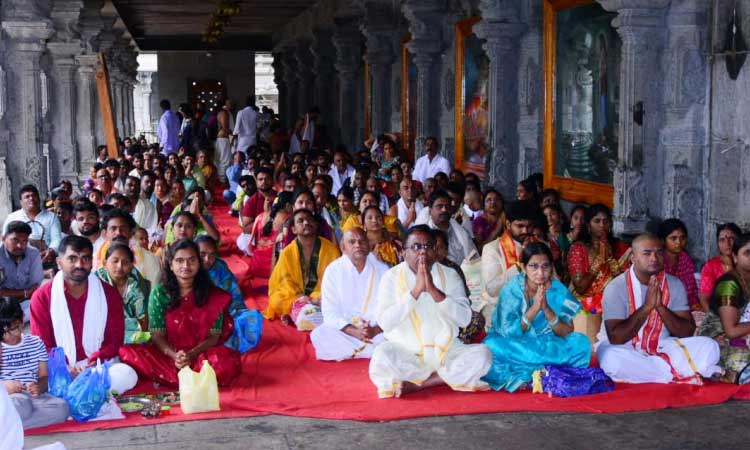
column 581, row 101
column 472, row 100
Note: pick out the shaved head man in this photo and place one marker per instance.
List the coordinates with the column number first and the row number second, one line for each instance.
column 648, row 329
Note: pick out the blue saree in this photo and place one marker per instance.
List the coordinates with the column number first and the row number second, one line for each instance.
column 516, row 355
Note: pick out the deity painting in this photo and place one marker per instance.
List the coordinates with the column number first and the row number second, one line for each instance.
column 473, row 132
column 586, row 94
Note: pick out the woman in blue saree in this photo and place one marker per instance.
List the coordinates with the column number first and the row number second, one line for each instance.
column 532, row 327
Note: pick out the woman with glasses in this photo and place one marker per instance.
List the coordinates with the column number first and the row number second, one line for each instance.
column 23, row 371
column 533, row 324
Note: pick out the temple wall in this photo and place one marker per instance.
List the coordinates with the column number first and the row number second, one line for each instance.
column 177, row 69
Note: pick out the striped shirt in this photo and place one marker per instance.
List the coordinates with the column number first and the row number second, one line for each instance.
column 20, row 362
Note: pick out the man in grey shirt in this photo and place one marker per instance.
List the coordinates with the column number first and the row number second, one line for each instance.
column 20, row 264
column 647, row 330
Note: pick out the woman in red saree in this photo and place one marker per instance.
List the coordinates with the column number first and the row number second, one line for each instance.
column 596, row 258
column 189, row 321
column 263, row 236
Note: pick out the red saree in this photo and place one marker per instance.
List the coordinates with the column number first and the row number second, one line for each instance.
column 185, row 327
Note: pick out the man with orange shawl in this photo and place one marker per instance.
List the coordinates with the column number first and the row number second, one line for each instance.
column 647, row 335
column 294, row 286
column 500, row 257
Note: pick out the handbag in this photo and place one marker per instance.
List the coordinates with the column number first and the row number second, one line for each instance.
column 199, row 391
column 562, row 381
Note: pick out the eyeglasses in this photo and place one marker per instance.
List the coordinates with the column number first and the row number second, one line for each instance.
column 537, row 267
column 17, row 329
column 419, row 246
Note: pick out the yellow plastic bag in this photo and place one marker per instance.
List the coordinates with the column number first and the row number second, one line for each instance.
column 199, row 391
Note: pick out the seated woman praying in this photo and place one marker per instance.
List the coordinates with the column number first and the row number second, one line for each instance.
column 189, row 321
column 194, row 203
column 265, row 231
column 728, row 317
column 677, row 262
column 533, row 324
column 119, row 271
column 23, row 371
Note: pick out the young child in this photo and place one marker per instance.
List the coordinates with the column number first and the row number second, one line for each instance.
column 23, row 371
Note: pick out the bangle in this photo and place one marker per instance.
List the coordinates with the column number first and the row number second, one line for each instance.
column 554, row 322
column 525, row 321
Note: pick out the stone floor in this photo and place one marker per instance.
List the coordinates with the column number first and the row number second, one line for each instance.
column 720, row 427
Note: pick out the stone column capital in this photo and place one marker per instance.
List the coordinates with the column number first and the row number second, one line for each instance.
column 65, row 15
column 425, row 19
column 28, row 35
column 64, row 50
column 324, row 52
column 500, row 37
column 347, row 40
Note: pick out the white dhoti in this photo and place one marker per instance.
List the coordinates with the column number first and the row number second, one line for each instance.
column 335, row 345
column 462, row 367
column 626, row 364
column 222, row 157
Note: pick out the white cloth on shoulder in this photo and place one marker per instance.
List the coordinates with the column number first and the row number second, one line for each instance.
column 94, row 318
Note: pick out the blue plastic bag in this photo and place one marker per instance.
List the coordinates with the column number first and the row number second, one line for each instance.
column 248, row 327
column 563, row 381
column 58, row 376
column 88, row 392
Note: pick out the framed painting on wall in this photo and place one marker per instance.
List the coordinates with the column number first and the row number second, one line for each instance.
column 581, row 101
column 472, row 100
column 408, row 100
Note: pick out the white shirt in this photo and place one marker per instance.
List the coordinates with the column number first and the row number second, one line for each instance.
column 245, row 127
column 308, row 134
column 348, row 295
column 403, row 210
column 424, row 168
column 11, row 437
column 145, row 215
column 338, row 178
column 44, row 226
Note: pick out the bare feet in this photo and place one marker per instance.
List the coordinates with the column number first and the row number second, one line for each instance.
column 406, row 387
column 286, row 319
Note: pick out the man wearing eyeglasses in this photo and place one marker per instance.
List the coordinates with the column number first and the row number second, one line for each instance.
column 421, row 305
column 21, row 266
column 45, row 227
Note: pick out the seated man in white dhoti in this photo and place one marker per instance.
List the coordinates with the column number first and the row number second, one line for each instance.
column 647, row 329
column 421, row 305
column 349, row 302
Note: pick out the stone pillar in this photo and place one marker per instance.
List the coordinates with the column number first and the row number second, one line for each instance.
column 347, row 40
column 501, row 30
column 142, row 103
column 292, row 87
column 425, row 19
column 305, row 75
column 379, row 29
column 278, row 78
column 24, row 49
column 87, row 111
column 639, row 23
column 116, row 83
column 64, row 151
column 325, row 73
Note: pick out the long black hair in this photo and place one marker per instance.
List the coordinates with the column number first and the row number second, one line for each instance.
column 592, row 212
column 10, row 311
column 201, row 283
column 282, row 200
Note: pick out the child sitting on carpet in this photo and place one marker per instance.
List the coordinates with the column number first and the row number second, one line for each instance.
column 23, row 371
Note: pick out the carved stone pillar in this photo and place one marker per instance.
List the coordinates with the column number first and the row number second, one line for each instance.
column 278, row 78
column 501, row 30
column 87, row 110
column 379, row 28
column 24, row 48
column 347, row 40
column 639, row 24
column 425, row 18
column 325, row 73
column 305, row 75
column 292, row 87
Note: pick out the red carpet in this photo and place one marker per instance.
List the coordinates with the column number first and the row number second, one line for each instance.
column 283, row 377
